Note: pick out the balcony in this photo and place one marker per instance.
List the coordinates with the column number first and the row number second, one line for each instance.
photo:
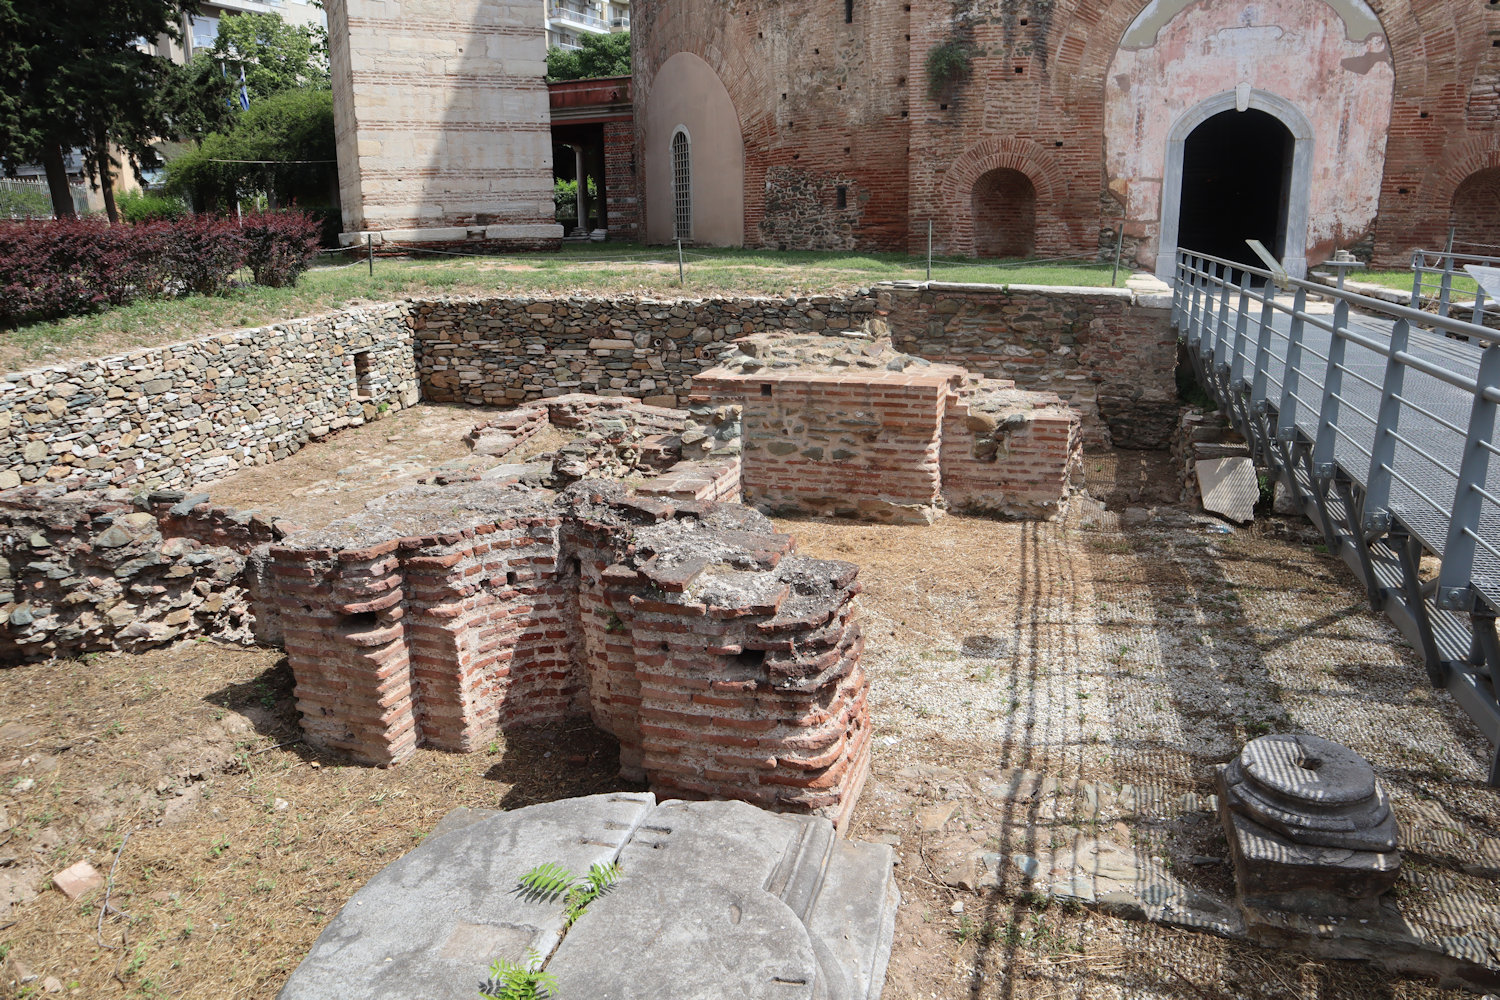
column 577, row 17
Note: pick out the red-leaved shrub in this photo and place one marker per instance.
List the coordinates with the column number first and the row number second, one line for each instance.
column 202, row 253
column 50, row 269
column 281, row 246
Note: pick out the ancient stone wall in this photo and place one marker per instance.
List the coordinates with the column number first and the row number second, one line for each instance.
column 196, row 411
column 441, row 115
column 725, row 665
column 500, row 352
column 1010, row 452
column 93, row 570
column 1109, row 352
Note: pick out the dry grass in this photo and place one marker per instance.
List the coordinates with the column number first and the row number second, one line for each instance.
column 1080, row 650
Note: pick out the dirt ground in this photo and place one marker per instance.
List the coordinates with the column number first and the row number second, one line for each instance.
column 1134, row 646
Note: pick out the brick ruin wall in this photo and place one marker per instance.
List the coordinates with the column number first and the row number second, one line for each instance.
column 899, row 446
column 725, row 665
column 826, row 102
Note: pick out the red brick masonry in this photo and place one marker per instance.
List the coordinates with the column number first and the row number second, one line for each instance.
column 899, row 443
column 724, row 663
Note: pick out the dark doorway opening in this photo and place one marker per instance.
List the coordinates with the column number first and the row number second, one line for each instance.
column 1004, row 214
column 1236, row 178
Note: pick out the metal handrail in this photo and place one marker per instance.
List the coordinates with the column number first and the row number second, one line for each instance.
column 1448, row 262
column 1326, row 404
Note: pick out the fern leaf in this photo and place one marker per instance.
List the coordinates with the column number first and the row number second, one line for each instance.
column 602, row 877
column 519, row 981
column 547, row 881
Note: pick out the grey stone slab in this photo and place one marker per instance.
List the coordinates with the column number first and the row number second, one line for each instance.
column 731, row 901
column 716, row 900
column 429, row 924
column 1229, row 487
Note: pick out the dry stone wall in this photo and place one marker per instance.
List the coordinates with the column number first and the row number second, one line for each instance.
column 189, row 413
column 196, row 411
column 1109, row 352
column 500, row 352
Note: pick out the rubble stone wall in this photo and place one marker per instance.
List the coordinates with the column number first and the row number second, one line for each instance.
column 196, row 411
column 1105, row 351
column 498, row 352
column 93, row 570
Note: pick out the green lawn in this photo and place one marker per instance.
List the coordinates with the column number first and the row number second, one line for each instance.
column 581, row 269
column 1464, row 286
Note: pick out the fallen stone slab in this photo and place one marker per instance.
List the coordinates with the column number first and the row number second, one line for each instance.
column 714, row 900
column 1229, row 487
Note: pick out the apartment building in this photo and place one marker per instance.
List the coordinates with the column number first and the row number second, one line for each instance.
column 569, row 20
column 200, row 30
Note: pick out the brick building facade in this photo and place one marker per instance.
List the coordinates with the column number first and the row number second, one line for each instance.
column 1317, row 124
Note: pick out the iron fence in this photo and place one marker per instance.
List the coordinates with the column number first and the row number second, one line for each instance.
column 1381, row 421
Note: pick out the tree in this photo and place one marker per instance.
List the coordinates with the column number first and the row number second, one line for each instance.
column 72, row 77
column 198, row 98
column 275, row 56
column 600, row 56
column 284, row 146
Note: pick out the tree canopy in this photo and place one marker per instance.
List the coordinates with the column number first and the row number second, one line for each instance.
column 275, row 55
column 72, row 77
column 284, row 145
column 600, row 56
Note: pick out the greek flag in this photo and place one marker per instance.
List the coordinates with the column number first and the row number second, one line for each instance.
column 244, row 92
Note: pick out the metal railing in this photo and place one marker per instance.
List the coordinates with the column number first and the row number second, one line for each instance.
column 1432, row 276
column 577, row 15
column 1381, row 421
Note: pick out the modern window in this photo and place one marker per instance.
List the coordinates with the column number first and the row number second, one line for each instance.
column 205, row 31
column 682, row 183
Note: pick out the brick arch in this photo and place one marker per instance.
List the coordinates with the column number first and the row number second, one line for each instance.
column 1002, row 153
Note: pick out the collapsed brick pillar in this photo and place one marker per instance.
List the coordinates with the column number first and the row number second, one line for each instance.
column 725, row 664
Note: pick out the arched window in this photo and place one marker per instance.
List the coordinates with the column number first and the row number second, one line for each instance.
column 682, row 184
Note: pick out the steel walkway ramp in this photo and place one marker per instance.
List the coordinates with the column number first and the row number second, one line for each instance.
column 1381, row 421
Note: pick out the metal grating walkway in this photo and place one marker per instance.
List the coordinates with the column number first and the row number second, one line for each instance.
column 1382, row 421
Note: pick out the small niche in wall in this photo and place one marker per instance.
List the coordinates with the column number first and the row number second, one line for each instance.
column 364, row 385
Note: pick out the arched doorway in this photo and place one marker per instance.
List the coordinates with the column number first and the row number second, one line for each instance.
column 1239, row 166
column 1476, row 213
column 1236, row 169
column 1004, row 213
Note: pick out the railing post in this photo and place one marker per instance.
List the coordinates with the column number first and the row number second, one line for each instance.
column 1383, row 446
column 1418, row 260
column 1221, row 327
column 1328, row 414
column 1455, row 578
column 1241, row 329
column 1260, row 389
column 1445, row 290
column 1291, row 377
column 1193, row 331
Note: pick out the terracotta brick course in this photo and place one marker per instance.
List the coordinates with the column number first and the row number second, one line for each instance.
column 672, row 628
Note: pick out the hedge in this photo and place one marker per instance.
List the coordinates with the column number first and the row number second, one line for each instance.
column 50, row 269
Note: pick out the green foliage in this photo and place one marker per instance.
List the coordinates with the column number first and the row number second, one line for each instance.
column 275, row 56
column 519, row 981
column 600, row 56
column 24, row 203
column 71, row 76
column 198, row 98
column 143, row 206
column 565, row 197
column 547, row 881
column 600, row 879
column 294, row 125
column 948, row 65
